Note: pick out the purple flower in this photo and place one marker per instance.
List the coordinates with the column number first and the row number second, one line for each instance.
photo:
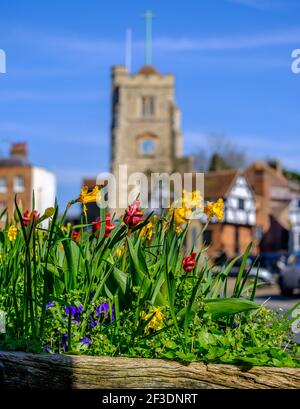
column 103, row 312
column 50, row 305
column 64, row 342
column 47, row 349
column 93, row 322
column 86, row 340
column 102, row 308
column 235, row 324
column 75, row 312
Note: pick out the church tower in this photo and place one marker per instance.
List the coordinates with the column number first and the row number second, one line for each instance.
column 145, row 128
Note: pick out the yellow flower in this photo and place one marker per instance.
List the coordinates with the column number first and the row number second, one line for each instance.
column 181, row 215
column 178, row 229
column 155, row 318
column 192, row 200
column 212, row 209
column 147, row 231
column 66, row 229
column 262, row 311
column 120, row 251
column 88, row 197
column 12, row 233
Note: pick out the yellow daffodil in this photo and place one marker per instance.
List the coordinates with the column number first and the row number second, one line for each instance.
column 12, row 233
column 181, row 215
column 155, row 318
column 147, row 231
column 88, row 197
column 192, row 200
column 216, row 209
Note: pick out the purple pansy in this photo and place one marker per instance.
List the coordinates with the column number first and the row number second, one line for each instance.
column 86, row 340
column 103, row 313
column 75, row 312
column 50, row 305
column 102, row 308
column 93, row 322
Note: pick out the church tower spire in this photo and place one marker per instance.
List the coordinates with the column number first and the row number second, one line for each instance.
column 148, row 39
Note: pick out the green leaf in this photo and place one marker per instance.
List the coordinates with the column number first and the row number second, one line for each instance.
column 229, row 306
column 237, row 288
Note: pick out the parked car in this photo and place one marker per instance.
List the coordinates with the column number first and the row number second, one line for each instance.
column 270, row 261
column 289, row 278
column 264, row 275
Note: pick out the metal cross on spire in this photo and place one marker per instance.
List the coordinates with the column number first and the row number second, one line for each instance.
column 148, row 46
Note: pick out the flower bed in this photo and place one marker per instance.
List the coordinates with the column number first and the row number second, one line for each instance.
column 130, row 288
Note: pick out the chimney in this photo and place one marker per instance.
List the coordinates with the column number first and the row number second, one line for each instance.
column 19, row 150
column 276, row 165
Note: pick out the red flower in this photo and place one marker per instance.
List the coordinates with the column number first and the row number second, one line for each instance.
column 28, row 216
column 109, row 225
column 75, row 236
column 189, row 262
column 133, row 214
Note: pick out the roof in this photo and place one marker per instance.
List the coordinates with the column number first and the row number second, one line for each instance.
column 276, row 177
column 148, row 70
column 91, row 182
column 14, row 161
column 280, row 212
column 218, row 183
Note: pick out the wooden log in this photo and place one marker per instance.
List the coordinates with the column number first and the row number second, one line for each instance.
column 32, row 371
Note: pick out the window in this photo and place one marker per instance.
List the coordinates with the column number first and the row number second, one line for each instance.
column 147, row 147
column 147, row 107
column 19, row 184
column 3, row 184
column 207, row 237
column 241, row 204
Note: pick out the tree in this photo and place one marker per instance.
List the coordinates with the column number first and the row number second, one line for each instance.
column 219, row 154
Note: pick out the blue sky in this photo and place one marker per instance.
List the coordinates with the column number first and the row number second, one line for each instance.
column 231, row 58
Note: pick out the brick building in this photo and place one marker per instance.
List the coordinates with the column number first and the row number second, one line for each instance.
column 278, row 210
column 19, row 177
column 231, row 236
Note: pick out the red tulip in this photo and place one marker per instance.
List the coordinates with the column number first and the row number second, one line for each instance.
column 28, row 216
column 75, row 236
column 133, row 214
column 189, row 262
column 109, row 225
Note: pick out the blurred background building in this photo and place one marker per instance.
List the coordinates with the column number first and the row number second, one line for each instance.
column 18, row 176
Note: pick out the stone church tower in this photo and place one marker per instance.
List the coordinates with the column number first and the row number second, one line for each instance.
column 145, row 130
